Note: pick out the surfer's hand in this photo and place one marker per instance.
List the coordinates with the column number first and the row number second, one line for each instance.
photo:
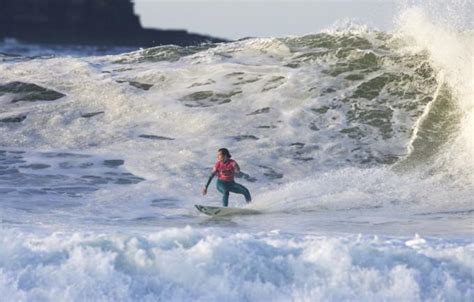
column 204, row 191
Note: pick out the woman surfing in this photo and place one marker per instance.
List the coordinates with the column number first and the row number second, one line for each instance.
column 225, row 168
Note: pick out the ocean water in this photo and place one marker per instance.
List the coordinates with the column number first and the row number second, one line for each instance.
column 356, row 144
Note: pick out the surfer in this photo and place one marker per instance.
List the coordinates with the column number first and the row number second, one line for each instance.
column 225, row 168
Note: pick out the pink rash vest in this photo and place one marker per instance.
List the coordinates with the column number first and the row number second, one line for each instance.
column 225, row 171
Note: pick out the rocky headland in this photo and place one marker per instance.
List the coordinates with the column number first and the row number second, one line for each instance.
column 85, row 22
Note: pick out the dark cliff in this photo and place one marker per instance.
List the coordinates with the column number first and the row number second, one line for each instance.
column 85, row 22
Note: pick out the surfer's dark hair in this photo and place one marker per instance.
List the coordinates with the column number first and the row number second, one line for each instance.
column 225, row 152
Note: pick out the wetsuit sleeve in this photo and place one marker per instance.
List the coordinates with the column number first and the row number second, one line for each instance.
column 214, row 172
column 210, row 178
column 236, row 167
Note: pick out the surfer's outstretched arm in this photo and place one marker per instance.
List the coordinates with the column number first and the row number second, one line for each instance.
column 204, row 191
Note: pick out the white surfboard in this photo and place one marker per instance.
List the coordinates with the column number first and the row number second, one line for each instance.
column 224, row 211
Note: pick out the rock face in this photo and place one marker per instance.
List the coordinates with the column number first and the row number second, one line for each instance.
column 85, row 22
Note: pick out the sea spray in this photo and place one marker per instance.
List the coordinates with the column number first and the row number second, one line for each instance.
column 450, row 53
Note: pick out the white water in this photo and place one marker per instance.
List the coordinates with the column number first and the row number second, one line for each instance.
column 98, row 187
column 211, row 265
